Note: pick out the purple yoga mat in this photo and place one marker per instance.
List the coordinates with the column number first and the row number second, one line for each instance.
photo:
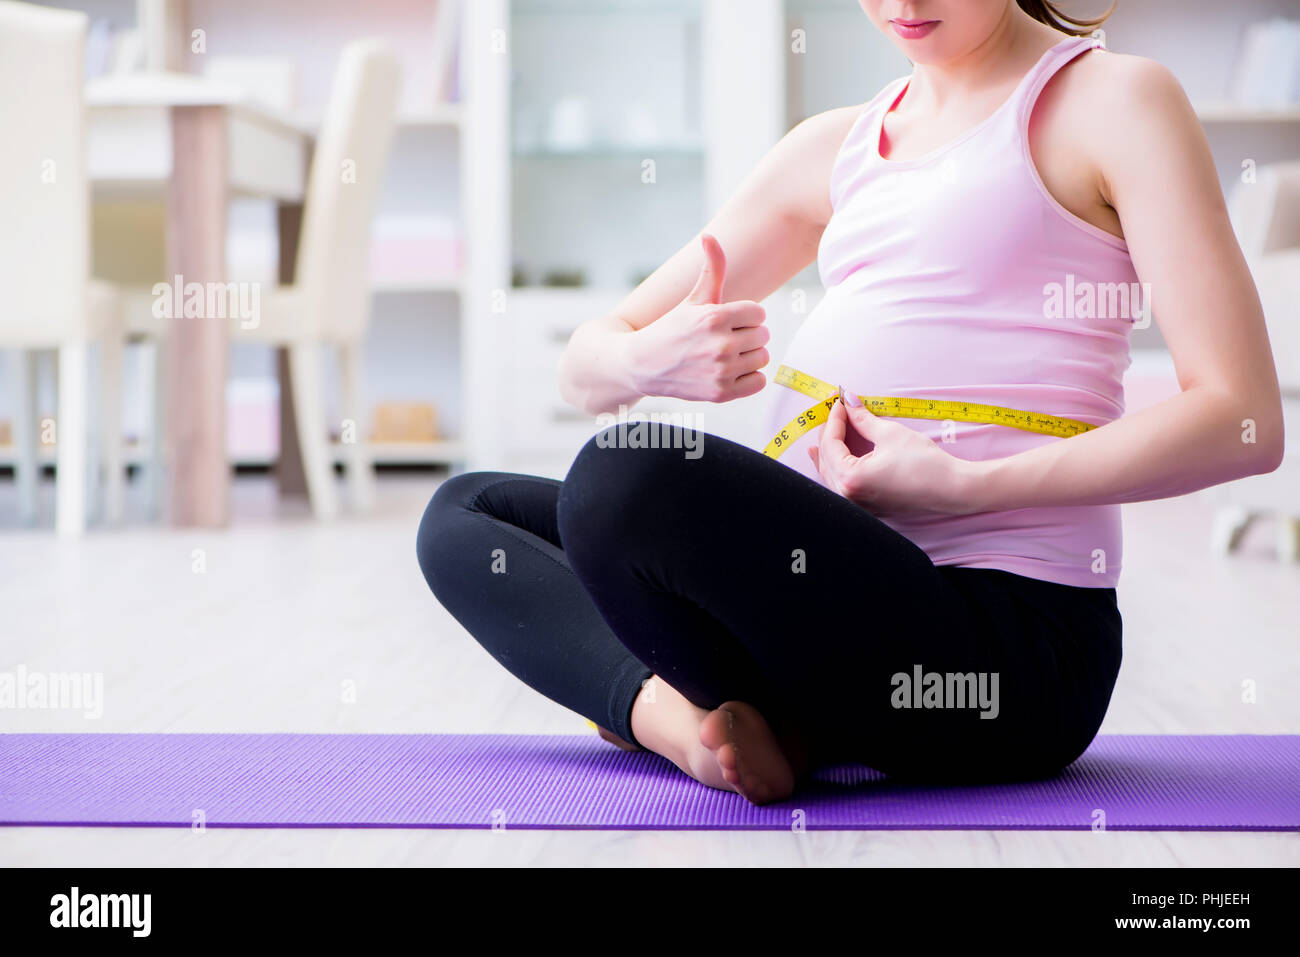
column 1139, row 782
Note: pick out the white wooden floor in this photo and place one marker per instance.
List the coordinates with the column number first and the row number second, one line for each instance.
column 287, row 611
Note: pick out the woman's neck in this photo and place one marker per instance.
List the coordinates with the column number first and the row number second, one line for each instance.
column 1014, row 45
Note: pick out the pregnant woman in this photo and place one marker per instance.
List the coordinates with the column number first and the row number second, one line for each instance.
column 935, row 599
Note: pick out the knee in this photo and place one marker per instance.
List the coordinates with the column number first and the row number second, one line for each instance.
column 615, row 487
column 437, row 545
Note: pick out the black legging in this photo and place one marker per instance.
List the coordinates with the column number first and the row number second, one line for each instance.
column 733, row 577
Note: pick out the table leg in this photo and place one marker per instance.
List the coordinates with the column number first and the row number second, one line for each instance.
column 196, row 243
column 288, row 470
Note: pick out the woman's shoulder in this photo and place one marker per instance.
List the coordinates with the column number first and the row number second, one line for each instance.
column 808, row 155
column 841, row 119
column 826, row 132
column 1114, row 106
column 829, row 128
column 1117, row 86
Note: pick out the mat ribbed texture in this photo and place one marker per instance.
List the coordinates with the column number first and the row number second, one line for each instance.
column 1139, row 782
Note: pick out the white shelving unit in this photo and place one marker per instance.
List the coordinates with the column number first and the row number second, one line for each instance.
column 675, row 102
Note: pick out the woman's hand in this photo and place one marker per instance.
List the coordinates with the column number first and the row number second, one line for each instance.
column 703, row 348
column 903, row 472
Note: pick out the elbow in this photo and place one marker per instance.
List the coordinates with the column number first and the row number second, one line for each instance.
column 570, row 397
column 569, row 390
column 572, row 392
column 1264, row 461
column 1266, row 438
column 565, row 381
column 1255, row 420
column 581, row 403
column 1270, row 458
column 596, row 384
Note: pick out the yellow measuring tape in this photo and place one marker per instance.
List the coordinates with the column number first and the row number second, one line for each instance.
column 895, row 407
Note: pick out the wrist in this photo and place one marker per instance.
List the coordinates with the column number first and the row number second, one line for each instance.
column 630, row 363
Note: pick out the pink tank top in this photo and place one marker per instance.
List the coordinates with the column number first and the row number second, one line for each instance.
column 956, row 275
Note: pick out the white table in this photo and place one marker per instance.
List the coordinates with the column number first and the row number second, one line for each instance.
column 198, row 142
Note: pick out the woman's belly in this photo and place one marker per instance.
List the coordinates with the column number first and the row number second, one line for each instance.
column 871, row 346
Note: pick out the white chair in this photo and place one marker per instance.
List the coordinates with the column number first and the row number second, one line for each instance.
column 329, row 302
column 1266, row 217
column 50, row 302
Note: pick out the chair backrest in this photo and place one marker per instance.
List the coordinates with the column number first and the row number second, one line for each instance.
column 44, row 198
column 333, row 267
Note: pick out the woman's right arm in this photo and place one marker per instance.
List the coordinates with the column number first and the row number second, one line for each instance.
column 678, row 334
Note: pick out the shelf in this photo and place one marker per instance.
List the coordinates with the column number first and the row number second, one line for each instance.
column 442, row 115
column 445, row 114
column 568, row 294
column 47, row 455
column 561, row 8
column 614, row 151
column 796, row 8
column 450, row 287
column 1222, row 111
column 442, row 452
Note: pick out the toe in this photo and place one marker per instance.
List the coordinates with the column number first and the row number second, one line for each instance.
column 727, row 757
column 713, row 731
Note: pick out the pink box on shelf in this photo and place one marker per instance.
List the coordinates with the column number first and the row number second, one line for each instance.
column 414, row 251
column 252, row 419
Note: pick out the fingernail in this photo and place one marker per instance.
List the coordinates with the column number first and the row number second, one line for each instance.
column 850, row 398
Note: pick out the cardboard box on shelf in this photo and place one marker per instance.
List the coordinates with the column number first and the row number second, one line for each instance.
column 398, row 421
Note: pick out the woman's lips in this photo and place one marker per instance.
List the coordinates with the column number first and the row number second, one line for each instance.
column 913, row 29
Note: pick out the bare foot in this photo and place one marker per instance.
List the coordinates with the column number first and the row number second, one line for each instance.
column 742, row 749
column 615, row 740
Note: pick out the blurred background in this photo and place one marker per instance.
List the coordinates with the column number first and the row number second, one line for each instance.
column 546, row 156
column 405, row 207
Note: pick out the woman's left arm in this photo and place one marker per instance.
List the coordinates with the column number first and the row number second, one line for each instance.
column 1226, row 423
